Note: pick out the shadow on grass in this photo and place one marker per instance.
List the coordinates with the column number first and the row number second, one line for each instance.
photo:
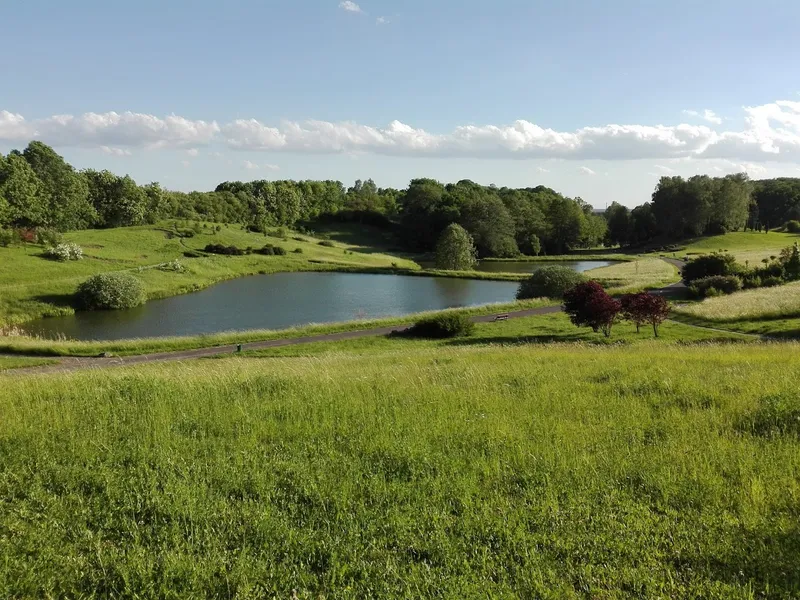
column 585, row 339
column 59, row 300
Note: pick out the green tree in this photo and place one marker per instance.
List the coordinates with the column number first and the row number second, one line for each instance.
column 565, row 220
column 535, row 245
column 619, row 222
column 487, row 219
column 425, row 212
column 66, row 191
column 118, row 201
column 21, row 190
column 455, row 250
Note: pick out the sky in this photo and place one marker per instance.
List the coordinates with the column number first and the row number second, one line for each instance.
column 594, row 98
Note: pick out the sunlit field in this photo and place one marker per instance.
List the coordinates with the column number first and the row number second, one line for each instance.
column 543, row 471
column 755, row 304
column 645, row 273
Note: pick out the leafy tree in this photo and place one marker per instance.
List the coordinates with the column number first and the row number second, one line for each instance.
column 710, row 265
column 792, row 265
column 21, row 191
column 588, row 305
column 455, row 250
column 644, row 308
column 65, row 191
column 620, row 226
column 565, row 225
column 110, row 291
column 119, row 202
column 425, row 212
column 535, row 245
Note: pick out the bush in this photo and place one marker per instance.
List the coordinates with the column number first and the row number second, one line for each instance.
column 223, row 249
column 327, row 244
column 7, row 237
column 644, row 308
column 298, row 250
column 47, row 236
column 710, row 265
column 64, row 252
column 793, row 226
column 751, row 281
column 701, row 288
column 268, row 250
column 442, row 326
column 771, row 281
column 280, row 251
column 173, row 266
column 192, row 254
column 551, row 282
column 110, row 291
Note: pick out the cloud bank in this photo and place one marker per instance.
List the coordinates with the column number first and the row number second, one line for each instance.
column 771, row 132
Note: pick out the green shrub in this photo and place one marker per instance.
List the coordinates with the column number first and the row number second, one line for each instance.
column 551, row 282
column 280, row 251
column 267, row 250
column 702, row 288
column 64, row 252
column 710, row 265
column 223, row 249
column 327, row 244
column 442, row 326
column 298, row 250
column 751, row 281
column 110, row 291
column 173, row 266
column 7, row 237
column 47, row 236
column 771, row 281
column 793, row 226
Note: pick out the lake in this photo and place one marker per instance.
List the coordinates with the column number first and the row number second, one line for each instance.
column 276, row 302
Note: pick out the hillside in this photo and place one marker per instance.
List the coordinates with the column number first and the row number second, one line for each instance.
column 555, row 471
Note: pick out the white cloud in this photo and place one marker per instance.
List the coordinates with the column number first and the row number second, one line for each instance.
column 771, row 133
column 350, row 6
column 108, row 129
column 542, row 170
column 269, row 167
column 707, row 115
column 186, row 163
column 192, row 152
column 115, row 151
column 587, row 171
column 382, row 21
column 251, row 165
column 665, row 169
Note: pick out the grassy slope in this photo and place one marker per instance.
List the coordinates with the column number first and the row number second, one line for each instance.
column 642, row 274
column 745, row 245
column 32, row 286
column 756, row 304
column 565, row 471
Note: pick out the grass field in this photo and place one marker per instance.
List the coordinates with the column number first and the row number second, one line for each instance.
column 752, row 305
column 746, row 246
column 19, row 362
column 32, row 286
column 560, row 471
column 641, row 274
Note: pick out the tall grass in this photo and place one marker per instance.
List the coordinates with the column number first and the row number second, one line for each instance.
column 756, row 304
column 558, row 472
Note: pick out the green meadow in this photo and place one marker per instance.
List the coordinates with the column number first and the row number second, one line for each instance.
column 659, row 469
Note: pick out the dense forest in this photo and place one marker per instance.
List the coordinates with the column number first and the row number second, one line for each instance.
column 39, row 189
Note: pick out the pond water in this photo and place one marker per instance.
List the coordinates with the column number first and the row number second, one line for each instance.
column 278, row 301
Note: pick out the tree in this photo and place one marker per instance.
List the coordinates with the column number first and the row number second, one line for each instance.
column 66, row 192
column 455, row 250
column 644, row 308
column 21, row 190
column 588, row 305
column 792, row 265
column 565, row 222
column 619, row 222
column 119, row 202
column 551, row 282
column 425, row 212
column 535, row 245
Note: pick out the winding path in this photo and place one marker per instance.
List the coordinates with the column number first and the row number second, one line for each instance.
column 80, row 363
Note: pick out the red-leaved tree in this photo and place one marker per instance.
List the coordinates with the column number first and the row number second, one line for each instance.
column 588, row 305
column 644, row 308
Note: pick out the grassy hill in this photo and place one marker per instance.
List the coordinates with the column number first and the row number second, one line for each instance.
column 548, row 471
column 749, row 246
column 31, row 285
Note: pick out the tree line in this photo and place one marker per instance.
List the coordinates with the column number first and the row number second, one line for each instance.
column 39, row 189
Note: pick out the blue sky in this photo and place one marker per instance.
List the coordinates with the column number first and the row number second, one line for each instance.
column 593, row 98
